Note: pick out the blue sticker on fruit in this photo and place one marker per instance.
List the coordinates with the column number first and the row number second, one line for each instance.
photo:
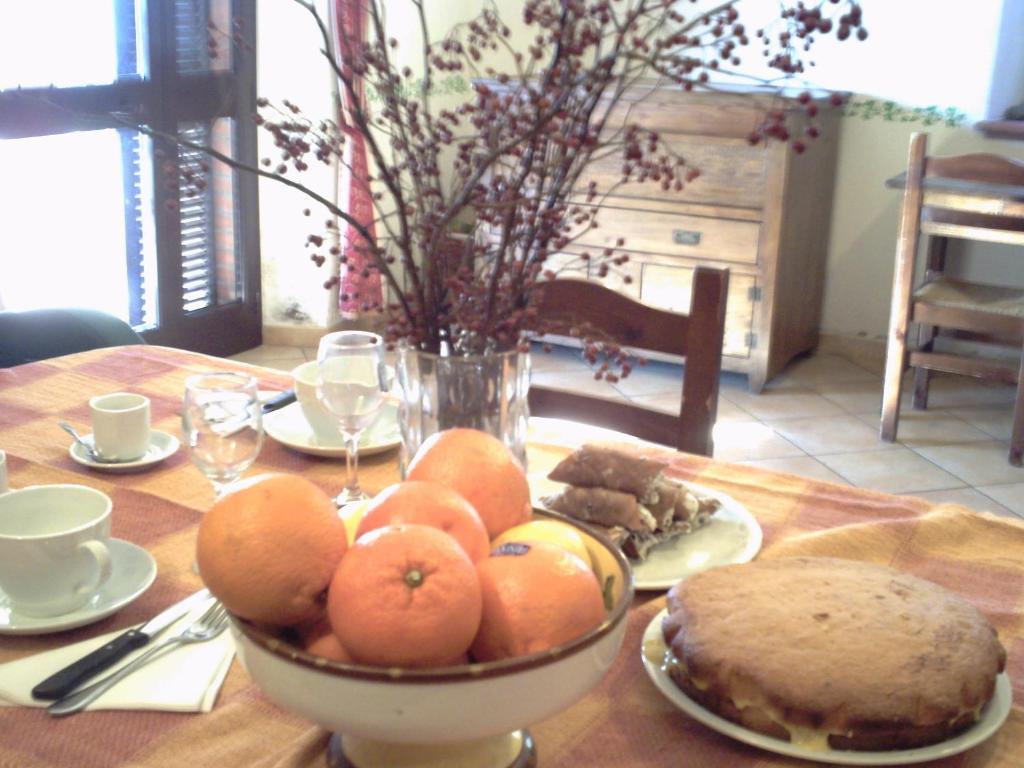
column 514, row 548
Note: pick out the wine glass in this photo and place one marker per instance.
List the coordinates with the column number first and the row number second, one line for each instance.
column 223, row 425
column 351, row 387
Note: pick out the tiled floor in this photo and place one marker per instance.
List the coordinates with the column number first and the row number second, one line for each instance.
column 819, row 419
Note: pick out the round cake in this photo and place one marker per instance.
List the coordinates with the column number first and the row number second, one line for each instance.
column 830, row 653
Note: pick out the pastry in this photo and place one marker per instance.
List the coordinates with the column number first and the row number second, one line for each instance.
column 831, row 653
column 627, row 497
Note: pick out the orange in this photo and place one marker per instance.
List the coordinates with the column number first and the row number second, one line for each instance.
column 428, row 503
column 535, row 596
column 268, row 548
column 407, row 596
column 329, row 646
column 482, row 469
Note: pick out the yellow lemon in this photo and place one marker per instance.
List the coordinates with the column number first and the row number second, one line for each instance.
column 551, row 531
column 352, row 514
column 606, row 568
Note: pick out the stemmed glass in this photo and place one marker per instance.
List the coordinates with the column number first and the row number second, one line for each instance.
column 351, row 387
column 223, row 425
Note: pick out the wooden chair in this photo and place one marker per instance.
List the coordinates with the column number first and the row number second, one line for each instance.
column 696, row 336
column 976, row 197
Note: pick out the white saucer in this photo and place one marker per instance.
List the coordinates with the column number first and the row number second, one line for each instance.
column 993, row 715
column 289, row 427
column 134, row 569
column 161, row 445
column 733, row 535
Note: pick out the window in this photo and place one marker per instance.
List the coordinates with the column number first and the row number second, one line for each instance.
column 93, row 213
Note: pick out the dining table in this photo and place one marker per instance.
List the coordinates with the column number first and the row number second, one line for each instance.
column 624, row 721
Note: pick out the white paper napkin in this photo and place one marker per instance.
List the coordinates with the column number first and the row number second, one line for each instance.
column 186, row 678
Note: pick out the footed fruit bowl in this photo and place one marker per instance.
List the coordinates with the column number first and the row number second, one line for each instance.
column 466, row 716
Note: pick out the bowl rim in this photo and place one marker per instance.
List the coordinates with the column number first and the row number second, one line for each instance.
column 285, row 650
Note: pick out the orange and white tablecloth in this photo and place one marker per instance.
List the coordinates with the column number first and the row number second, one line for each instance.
column 625, row 721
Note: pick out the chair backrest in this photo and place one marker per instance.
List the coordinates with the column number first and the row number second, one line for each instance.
column 697, row 336
column 942, row 191
column 39, row 334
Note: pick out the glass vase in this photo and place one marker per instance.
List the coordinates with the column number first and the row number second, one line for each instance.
column 485, row 391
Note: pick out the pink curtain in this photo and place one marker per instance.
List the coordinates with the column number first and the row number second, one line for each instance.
column 357, row 291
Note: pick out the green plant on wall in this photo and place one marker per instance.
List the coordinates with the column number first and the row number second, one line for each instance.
column 890, row 111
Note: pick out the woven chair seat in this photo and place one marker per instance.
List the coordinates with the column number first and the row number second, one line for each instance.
column 977, row 297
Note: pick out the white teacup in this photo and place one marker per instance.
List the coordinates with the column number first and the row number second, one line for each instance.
column 304, row 378
column 53, row 547
column 120, row 425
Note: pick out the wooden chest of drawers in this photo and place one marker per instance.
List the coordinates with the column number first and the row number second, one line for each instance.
column 762, row 211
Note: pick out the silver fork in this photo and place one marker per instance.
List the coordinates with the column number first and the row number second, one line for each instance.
column 206, row 627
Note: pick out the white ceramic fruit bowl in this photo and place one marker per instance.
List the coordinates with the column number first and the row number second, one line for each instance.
column 468, row 715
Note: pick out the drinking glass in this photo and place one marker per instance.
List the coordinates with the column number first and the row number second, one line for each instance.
column 351, row 387
column 223, row 425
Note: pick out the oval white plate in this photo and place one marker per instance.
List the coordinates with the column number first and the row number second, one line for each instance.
column 134, row 569
column 289, row 427
column 992, row 717
column 732, row 536
column 161, row 445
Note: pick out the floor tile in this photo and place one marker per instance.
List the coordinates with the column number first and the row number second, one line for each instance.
column 896, row 471
column 862, row 396
column 993, row 420
column 831, row 434
column 968, row 497
column 924, row 428
column 580, row 381
column 981, row 463
column 729, row 411
column 749, row 440
column 805, row 466
column 558, row 359
column 948, row 391
column 668, row 402
column 1010, row 496
column 818, row 369
column 653, row 378
column 784, row 404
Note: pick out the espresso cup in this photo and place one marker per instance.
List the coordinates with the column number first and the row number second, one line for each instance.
column 53, row 547
column 120, row 426
column 323, row 424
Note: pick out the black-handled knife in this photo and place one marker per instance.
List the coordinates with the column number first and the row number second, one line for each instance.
column 61, row 683
column 278, row 401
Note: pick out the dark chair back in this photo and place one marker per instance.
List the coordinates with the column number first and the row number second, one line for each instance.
column 39, row 334
column 696, row 336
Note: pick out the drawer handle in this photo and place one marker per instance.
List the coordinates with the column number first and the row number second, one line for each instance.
column 685, row 237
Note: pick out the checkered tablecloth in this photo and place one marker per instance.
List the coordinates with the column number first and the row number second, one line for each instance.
column 625, row 721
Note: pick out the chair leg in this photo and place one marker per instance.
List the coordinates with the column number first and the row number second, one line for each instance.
column 935, row 264
column 902, row 282
column 923, row 376
column 1017, row 435
column 894, row 363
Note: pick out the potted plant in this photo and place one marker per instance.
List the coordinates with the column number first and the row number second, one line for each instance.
column 458, row 209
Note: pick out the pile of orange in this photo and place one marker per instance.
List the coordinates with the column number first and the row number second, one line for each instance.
column 420, row 585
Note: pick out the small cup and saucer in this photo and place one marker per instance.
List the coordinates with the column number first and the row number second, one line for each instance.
column 59, row 566
column 121, row 436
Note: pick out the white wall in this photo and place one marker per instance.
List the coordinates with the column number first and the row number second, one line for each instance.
column 291, row 67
